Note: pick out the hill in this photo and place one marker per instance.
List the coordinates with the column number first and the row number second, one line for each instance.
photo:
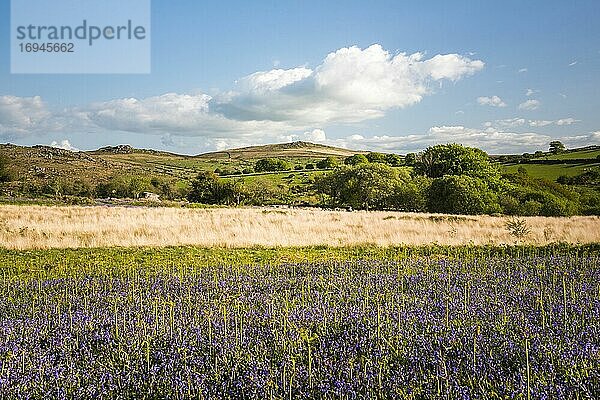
column 41, row 165
column 283, row 150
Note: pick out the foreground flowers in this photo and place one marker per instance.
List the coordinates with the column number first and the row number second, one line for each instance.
column 412, row 328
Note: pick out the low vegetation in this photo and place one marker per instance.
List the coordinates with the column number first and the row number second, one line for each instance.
column 405, row 323
column 26, row 227
column 442, row 179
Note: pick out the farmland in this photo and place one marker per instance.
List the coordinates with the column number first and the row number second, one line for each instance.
column 317, row 322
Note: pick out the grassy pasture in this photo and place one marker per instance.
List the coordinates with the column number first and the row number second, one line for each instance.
column 552, row 172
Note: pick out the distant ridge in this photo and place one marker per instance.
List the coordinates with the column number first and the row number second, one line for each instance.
column 298, row 149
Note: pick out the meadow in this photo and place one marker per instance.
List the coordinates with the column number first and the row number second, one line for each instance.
column 28, row 227
column 261, row 323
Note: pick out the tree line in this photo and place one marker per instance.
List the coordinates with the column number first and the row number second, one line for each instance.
column 448, row 178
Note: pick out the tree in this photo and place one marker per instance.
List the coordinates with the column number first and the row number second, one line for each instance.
column 327, row 163
column 363, row 186
column 203, row 188
column 393, row 160
column 410, row 159
column 272, row 164
column 455, row 159
column 137, row 186
column 556, row 146
column 376, row 157
column 356, row 159
column 454, row 194
column 6, row 174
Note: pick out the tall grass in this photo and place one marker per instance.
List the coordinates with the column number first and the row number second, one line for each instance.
column 29, row 227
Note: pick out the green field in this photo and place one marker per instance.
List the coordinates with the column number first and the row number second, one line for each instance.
column 572, row 155
column 552, row 172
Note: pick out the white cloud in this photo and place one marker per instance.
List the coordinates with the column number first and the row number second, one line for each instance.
column 509, row 123
column 493, row 101
column 567, row 121
column 573, row 63
column 273, row 80
column 540, row 123
column 530, row 105
column 530, row 92
column 23, row 116
column 492, row 140
column 63, row 144
column 522, row 70
column 450, row 66
column 560, row 122
column 316, row 135
column 350, row 85
column 581, row 140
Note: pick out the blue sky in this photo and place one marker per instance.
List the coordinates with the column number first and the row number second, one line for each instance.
column 383, row 75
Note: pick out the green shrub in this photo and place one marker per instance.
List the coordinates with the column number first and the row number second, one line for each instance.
column 461, row 194
column 272, row 165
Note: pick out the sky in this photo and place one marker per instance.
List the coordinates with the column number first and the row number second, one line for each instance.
column 504, row 76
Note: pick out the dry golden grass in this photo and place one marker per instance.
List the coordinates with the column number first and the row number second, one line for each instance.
column 28, row 227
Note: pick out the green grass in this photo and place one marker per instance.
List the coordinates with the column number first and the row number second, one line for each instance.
column 57, row 263
column 552, row 172
column 582, row 154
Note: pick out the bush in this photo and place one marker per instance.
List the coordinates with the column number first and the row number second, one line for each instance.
column 371, row 186
column 272, row 165
column 207, row 188
column 461, row 194
column 376, row 157
column 6, row 172
column 510, row 205
column 327, row 163
column 454, row 159
column 393, row 160
column 356, row 160
column 410, row 159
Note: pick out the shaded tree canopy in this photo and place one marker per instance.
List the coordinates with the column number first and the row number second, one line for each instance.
column 356, row 159
column 556, row 146
column 272, row 164
column 455, row 159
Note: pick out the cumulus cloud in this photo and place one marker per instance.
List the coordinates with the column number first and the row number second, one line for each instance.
column 581, row 140
column 567, row 121
column 530, row 105
column 350, row 85
column 492, row 140
column 540, row 123
column 64, row 144
column 522, row 70
column 559, row 122
column 530, row 92
column 23, row 116
column 506, row 123
column 493, row 101
column 316, row 135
